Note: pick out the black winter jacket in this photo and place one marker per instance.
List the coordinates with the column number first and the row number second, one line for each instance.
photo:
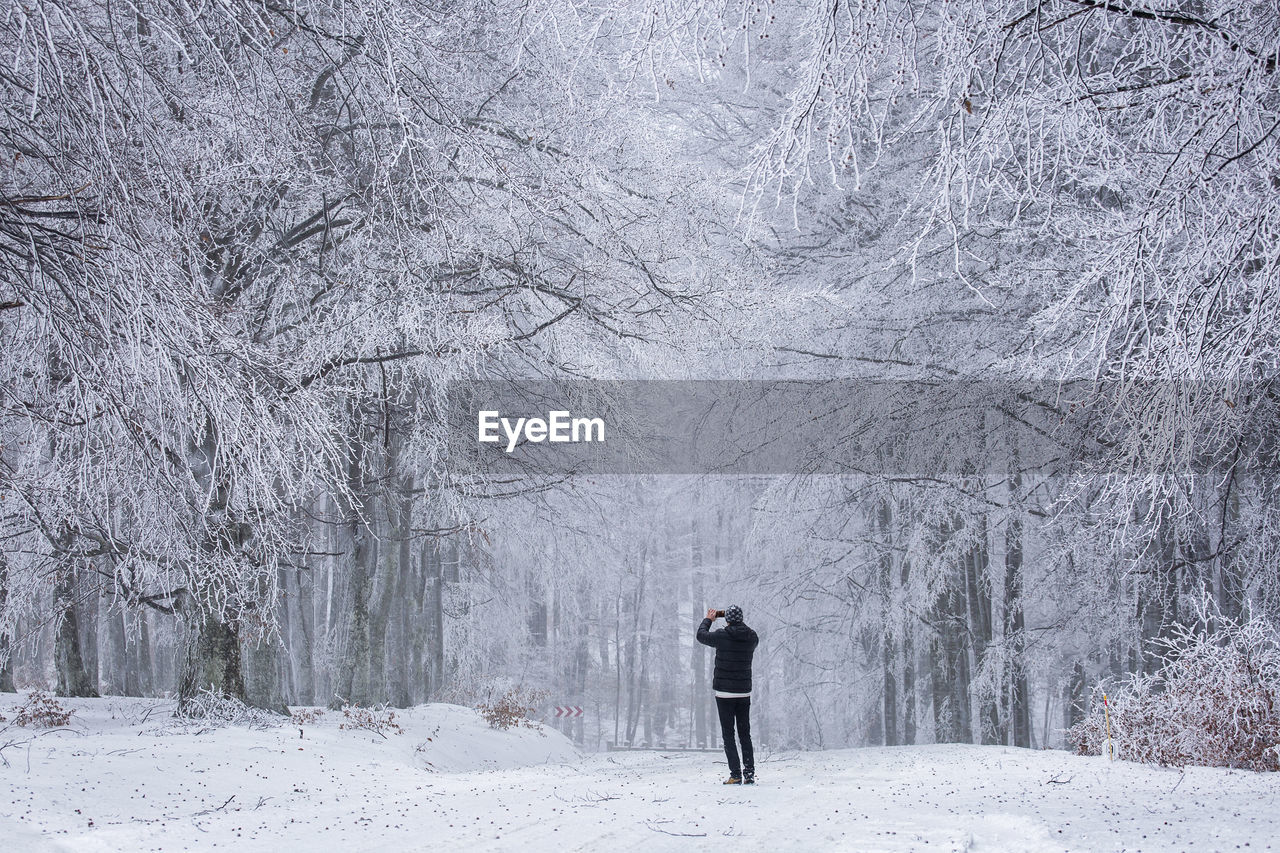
column 734, row 645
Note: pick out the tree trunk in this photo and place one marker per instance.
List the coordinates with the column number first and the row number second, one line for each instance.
column 633, row 710
column 142, row 667
column 635, row 657
column 262, row 662
column 211, row 659
column 908, row 686
column 352, row 672
column 6, row 646
column 300, row 605
column 890, row 694
column 712, row 724
column 398, row 641
column 323, row 596
column 87, row 593
column 414, row 629
column 699, row 655
column 114, row 669
column 6, row 665
column 908, row 667
column 433, row 562
column 1015, row 631
column 73, row 677
column 1229, row 583
column 981, row 629
column 351, row 677
column 949, row 655
column 943, row 731
column 1075, row 696
column 260, row 659
column 617, row 668
column 381, row 591
column 888, row 639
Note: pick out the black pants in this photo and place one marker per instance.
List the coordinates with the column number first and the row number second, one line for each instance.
column 731, row 711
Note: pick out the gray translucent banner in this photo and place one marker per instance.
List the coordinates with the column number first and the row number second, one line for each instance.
column 892, row 428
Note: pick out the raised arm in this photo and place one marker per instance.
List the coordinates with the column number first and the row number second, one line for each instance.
column 705, row 635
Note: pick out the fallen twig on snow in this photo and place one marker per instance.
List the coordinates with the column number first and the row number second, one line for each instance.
column 678, row 834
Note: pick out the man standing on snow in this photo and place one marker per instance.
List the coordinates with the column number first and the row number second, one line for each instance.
column 734, row 644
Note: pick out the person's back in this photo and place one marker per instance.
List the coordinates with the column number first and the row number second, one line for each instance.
column 735, row 646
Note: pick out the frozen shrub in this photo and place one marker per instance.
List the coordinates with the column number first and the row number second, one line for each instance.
column 42, row 711
column 378, row 719
column 512, row 707
column 212, row 709
column 305, row 716
column 1215, row 703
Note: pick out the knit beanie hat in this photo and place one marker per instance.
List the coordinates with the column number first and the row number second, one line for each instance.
column 733, row 614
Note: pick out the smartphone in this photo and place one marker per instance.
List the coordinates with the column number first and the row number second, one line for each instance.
column 719, row 614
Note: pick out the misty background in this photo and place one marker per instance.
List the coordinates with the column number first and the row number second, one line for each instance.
column 249, row 250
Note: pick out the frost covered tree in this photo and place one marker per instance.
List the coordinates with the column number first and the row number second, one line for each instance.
column 1063, row 189
column 238, row 236
column 246, row 251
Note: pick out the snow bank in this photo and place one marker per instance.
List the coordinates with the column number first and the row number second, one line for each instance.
column 437, row 738
column 125, row 775
column 124, row 779
column 454, row 739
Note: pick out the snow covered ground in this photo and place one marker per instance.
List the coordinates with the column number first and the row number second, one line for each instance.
column 124, row 779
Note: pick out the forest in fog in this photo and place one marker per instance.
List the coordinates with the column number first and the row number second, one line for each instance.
column 250, row 250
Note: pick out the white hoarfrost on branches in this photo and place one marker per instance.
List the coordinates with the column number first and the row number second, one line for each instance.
column 1216, row 701
column 209, row 710
column 237, row 239
column 247, row 251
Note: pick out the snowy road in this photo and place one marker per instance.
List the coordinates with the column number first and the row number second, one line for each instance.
column 926, row 798
column 122, row 789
